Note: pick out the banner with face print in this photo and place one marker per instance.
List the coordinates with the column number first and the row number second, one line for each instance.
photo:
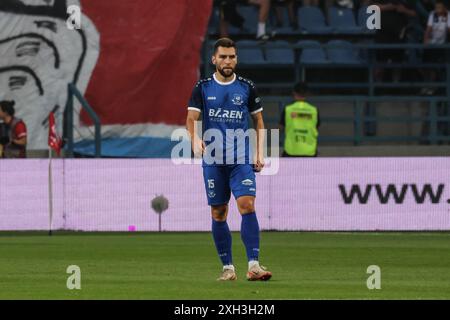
column 39, row 56
column 135, row 62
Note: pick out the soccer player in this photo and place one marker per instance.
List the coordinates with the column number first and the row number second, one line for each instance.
column 226, row 102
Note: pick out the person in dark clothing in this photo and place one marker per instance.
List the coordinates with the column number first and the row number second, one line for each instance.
column 395, row 16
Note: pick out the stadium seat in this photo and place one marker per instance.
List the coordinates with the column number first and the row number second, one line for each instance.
column 232, row 30
column 249, row 55
column 250, row 14
column 312, row 20
column 343, row 20
column 279, row 55
column 313, row 54
column 340, row 51
column 285, row 28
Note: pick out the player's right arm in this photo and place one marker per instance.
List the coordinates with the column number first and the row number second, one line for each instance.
column 195, row 108
column 197, row 144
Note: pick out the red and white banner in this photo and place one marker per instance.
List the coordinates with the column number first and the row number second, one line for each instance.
column 149, row 58
column 135, row 62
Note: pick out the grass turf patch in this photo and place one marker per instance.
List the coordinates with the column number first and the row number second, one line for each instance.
column 185, row 266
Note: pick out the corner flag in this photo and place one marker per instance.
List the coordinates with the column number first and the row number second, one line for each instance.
column 54, row 141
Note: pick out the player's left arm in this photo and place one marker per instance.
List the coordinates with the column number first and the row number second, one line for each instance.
column 255, row 108
column 258, row 123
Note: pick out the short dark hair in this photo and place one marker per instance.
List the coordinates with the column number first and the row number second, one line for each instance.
column 224, row 42
column 8, row 107
column 301, row 88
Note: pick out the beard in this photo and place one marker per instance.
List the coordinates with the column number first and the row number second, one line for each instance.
column 226, row 72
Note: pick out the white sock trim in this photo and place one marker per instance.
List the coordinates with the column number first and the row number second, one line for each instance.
column 253, row 263
column 228, row 267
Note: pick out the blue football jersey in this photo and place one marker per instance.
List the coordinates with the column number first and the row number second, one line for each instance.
column 226, row 107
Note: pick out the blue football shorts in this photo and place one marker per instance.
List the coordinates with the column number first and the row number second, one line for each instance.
column 220, row 181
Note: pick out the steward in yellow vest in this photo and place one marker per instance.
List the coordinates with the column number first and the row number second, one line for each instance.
column 300, row 121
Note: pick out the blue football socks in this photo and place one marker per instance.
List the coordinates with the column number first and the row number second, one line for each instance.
column 222, row 239
column 250, row 235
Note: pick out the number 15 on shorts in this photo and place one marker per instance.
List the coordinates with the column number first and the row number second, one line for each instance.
column 210, row 183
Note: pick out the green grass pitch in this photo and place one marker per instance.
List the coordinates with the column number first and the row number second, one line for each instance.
column 184, row 266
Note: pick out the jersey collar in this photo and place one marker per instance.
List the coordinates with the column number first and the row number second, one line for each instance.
column 224, row 83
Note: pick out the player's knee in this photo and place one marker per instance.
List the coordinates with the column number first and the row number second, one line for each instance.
column 219, row 213
column 246, row 206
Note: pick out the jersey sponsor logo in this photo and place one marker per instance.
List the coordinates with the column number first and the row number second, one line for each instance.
column 211, row 98
column 238, row 99
column 230, row 114
column 247, row 182
column 228, row 146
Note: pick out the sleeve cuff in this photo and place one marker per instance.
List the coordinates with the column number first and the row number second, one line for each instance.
column 256, row 111
column 195, row 109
